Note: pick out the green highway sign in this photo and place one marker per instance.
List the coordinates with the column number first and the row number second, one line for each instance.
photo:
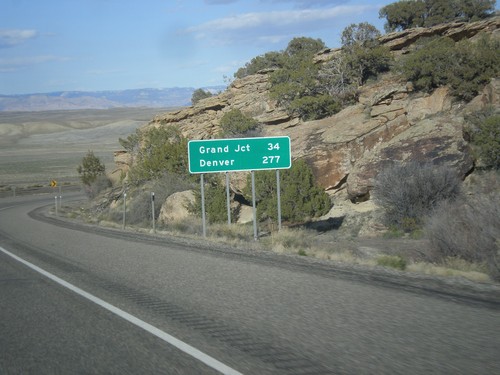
column 239, row 154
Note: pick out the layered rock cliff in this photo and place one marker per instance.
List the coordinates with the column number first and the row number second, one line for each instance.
column 389, row 123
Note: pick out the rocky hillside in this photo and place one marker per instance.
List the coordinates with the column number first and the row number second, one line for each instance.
column 389, row 122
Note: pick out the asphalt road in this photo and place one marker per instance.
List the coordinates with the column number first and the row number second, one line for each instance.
column 251, row 312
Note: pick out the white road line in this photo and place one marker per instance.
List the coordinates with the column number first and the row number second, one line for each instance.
column 186, row 348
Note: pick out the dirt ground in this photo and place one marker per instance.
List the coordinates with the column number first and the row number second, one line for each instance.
column 37, row 147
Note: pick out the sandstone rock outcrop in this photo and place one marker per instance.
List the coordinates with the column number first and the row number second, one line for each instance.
column 249, row 94
column 175, row 207
column 390, row 122
column 397, row 41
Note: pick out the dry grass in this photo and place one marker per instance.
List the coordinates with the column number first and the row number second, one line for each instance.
column 394, row 254
column 40, row 146
column 449, row 271
column 304, row 242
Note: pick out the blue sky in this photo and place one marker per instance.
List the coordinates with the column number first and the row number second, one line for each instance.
column 91, row 45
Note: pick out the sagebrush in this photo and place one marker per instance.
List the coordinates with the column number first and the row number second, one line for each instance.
column 469, row 230
column 409, row 192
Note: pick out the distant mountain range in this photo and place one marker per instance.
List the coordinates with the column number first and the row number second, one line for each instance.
column 66, row 100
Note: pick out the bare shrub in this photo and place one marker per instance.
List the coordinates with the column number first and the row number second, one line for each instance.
column 409, row 192
column 98, row 185
column 469, row 230
column 187, row 226
column 140, row 212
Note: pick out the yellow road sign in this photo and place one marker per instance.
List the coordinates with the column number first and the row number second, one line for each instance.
column 53, row 183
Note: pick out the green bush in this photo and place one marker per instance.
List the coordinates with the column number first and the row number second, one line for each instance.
column 297, row 49
column 367, row 61
column 359, row 34
column 163, row 150
column 427, row 67
column 402, row 15
column 296, row 88
column 314, row 91
column 199, row 94
column 314, row 107
column 90, row 169
column 465, row 66
column 301, row 198
column 270, row 60
column 303, row 47
column 486, row 138
column 215, row 201
column 296, row 85
column 296, row 79
column 409, row 192
column 235, row 124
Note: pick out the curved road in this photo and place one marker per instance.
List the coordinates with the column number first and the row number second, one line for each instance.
column 247, row 313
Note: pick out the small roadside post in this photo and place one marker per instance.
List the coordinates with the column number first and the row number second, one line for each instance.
column 153, row 211
column 57, row 214
column 124, row 209
column 236, row 155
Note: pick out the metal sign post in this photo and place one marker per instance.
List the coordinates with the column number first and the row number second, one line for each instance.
column 228, row 200
column 202, row 183
column 278, row 189
column 239, row 154
column 57, row 214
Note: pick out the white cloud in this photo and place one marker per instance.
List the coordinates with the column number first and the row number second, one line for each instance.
column 14, row 37
column 268, row 26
